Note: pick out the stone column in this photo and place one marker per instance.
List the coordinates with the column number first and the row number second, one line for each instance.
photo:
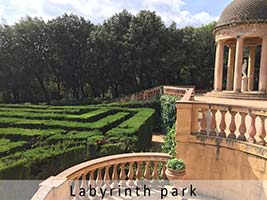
column 238, row 63
column 230, row 68
column 251, row 68
column 263, row 66
column 218, row 72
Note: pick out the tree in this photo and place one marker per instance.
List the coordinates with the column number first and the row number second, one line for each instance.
column 110, row 44
column 144, row 42
column 71, row 58
column 69, row 53
column 30, row 47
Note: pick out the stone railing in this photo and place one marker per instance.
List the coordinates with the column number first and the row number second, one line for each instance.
column 101, row 172
column 226, row 121
column 179, row 91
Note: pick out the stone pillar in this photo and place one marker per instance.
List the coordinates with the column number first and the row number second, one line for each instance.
column 251, row 68
column 238, row 63
column 218, row 72
column 263, row 66
column 244, row 84
column 230, row 68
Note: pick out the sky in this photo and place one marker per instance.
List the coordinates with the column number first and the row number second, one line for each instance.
column 183, row 12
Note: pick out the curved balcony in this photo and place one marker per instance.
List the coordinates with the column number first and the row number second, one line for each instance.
column 122, row 168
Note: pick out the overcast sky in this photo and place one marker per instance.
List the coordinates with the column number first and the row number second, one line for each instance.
column 183, row 12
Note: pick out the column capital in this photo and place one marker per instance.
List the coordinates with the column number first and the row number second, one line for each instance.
column 240, row 37
column 220, row 42
column 232, row 46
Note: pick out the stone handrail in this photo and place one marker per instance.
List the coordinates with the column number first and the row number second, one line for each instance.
column 227, row 121
column 100, row 172
column 179, row 91
column 189, row 95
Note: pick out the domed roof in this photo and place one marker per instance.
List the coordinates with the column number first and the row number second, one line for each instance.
column 244, row 11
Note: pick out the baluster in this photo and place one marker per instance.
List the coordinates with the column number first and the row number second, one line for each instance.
column 138, row 171
column 147, row 170
column 222, row 124
column 84, row 183
column 163, row 174
column 131, row 174
column 155, row 171
column 122, row 175
column 262, row 131
column 115, row 176
column 242, row 127
column 213, row 124
column 99, row 179
column 232, row 126
column 92, row 179
column 203, row 123
column 107, row 177
column 76, row 186
column 131, row 171
column 252, row 129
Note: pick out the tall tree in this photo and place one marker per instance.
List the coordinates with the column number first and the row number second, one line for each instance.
column 144, row 42
column 69, row 52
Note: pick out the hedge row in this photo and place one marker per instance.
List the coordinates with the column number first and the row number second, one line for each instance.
column 43, row 106
column 102, row 124
column 27, row 134
column 76, row 136
column 90, row 115
column 134, row 133
column 30, row 110
column 41, row 162
column 56, row 144
column 6, row 146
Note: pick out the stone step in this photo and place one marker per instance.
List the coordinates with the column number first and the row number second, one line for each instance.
column 233, row 95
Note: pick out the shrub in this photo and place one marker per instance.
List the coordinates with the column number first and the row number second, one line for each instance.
column 54, row 140
column 28, row 134
column 168, row 111
column 138, row 129
column 41, row 162
column 176, row 164
column 112, row 149
column 152, row 103
column 169, row 145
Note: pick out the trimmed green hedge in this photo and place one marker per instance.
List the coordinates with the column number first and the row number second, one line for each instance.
column 7, row 146
column 103, row 124
column 41, row 162
column 67, row 138
column 90, row 115
column 27, row 134
column 135, row 132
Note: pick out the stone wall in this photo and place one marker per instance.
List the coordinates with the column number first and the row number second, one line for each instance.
column 178, row 91
column 234, row 169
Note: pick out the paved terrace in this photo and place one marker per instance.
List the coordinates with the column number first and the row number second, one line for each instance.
column 205, row 99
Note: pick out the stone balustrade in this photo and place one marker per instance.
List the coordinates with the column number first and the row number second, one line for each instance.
column 178, row 91
column 120, row 169
column 227, row 121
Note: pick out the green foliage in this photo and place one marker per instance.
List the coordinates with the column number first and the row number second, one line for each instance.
column 27, row 134
column 169, row 145
column 32, row 147
column 69, row 60
column 135, row 132
column 168, row 111
column 7, row 146
column 176, row 164
column 40, row 162
column 111, row 149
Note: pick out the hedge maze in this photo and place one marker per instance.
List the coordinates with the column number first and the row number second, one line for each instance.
column 37, row 141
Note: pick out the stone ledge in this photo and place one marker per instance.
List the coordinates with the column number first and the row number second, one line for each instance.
column 249, row 148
